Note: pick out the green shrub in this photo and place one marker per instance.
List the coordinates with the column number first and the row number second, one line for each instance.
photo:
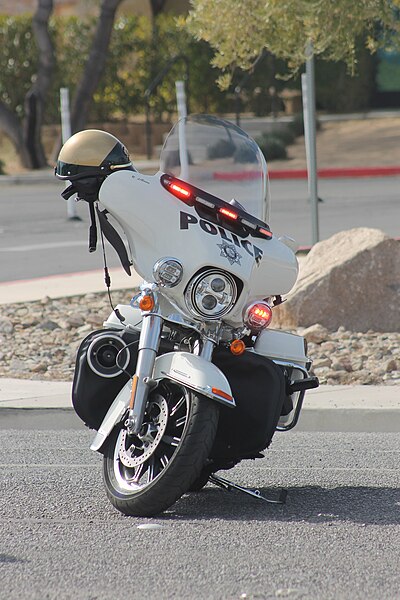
column 272, row 147
column 2, row 165
column 245, row 154
column 18, row 60
column 286, row 134
column 297, row 125
column 222, row 149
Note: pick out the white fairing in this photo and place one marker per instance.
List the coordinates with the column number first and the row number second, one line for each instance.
column 281, row 346
column 157, row 225
column 132, row 318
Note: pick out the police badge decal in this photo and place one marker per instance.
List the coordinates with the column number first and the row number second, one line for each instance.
column 229, row 251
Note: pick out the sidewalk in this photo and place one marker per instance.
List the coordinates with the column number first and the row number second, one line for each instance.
column 68, row 284
column 328, row 408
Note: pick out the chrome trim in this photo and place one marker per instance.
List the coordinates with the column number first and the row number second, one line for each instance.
column 285, row 363
column 149, row 342
column 159, row 264
column 191, row 288
column 207, row 349
column 247, row 312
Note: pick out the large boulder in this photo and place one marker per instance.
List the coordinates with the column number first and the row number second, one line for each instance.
column 352, row 280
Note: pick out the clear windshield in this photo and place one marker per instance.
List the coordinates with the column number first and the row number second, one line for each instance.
column 220, row 158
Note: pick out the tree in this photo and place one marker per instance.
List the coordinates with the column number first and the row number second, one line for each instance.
column 24, row 130
column 157, row 7
column 26, row 135
column 95, row 64
column 239, row 30
column 36, row 97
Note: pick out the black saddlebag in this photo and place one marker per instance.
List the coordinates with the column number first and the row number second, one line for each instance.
column 259, row 388
column 98, row 379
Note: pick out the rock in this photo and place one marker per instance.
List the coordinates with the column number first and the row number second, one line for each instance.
column 391, row 365
column 316, row 334
column 319, row 363
column 48, row 325
column 75, row 321
column 6, row 325
column 349, row 281
column 39, row 368
column 29, row 322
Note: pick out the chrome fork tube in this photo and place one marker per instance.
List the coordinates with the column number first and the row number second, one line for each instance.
column 207, row 349
column 149, row 342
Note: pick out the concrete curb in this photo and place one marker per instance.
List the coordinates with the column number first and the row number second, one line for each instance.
column 328, row 408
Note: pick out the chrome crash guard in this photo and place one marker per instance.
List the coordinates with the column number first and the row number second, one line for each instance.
column 296, row 387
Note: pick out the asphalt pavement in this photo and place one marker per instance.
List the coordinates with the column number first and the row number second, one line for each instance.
column 336, row 538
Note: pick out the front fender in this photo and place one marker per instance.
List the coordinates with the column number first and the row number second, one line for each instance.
column 114, row 415
column 195, row 373
column 190, row 370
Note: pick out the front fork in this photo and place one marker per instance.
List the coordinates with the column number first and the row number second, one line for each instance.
column 142, row 381
column 149, row 342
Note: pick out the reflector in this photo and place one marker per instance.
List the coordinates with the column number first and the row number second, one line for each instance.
column 221, row 393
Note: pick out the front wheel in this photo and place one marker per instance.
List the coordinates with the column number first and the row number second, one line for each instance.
column 146, row 473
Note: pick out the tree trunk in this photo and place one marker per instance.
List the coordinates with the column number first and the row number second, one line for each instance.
column 11, row 126
column 157, row 6
column 36, row 97
column 95, row 65
column 26, row 137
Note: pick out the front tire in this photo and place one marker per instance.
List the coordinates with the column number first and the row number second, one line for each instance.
column 145, row 474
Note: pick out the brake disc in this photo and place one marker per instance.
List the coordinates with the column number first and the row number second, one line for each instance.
column 135, row 450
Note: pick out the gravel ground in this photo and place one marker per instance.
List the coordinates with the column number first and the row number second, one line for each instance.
column 39, row 340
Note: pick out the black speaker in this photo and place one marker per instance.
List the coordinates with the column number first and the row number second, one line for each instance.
column 108, row 355
column 98, row 374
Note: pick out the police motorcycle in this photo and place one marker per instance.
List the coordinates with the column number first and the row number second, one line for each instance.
column 188, row 379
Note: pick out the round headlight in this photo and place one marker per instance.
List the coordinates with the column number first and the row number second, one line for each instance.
column 211, row 294
column 168, row 272
column 257, row 316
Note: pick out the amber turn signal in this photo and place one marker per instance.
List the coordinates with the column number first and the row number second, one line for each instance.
column 146, row 303
column 237, row 347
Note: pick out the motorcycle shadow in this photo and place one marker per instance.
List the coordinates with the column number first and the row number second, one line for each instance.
column 312, row 504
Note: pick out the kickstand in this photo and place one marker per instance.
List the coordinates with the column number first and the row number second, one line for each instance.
column 228, row 485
